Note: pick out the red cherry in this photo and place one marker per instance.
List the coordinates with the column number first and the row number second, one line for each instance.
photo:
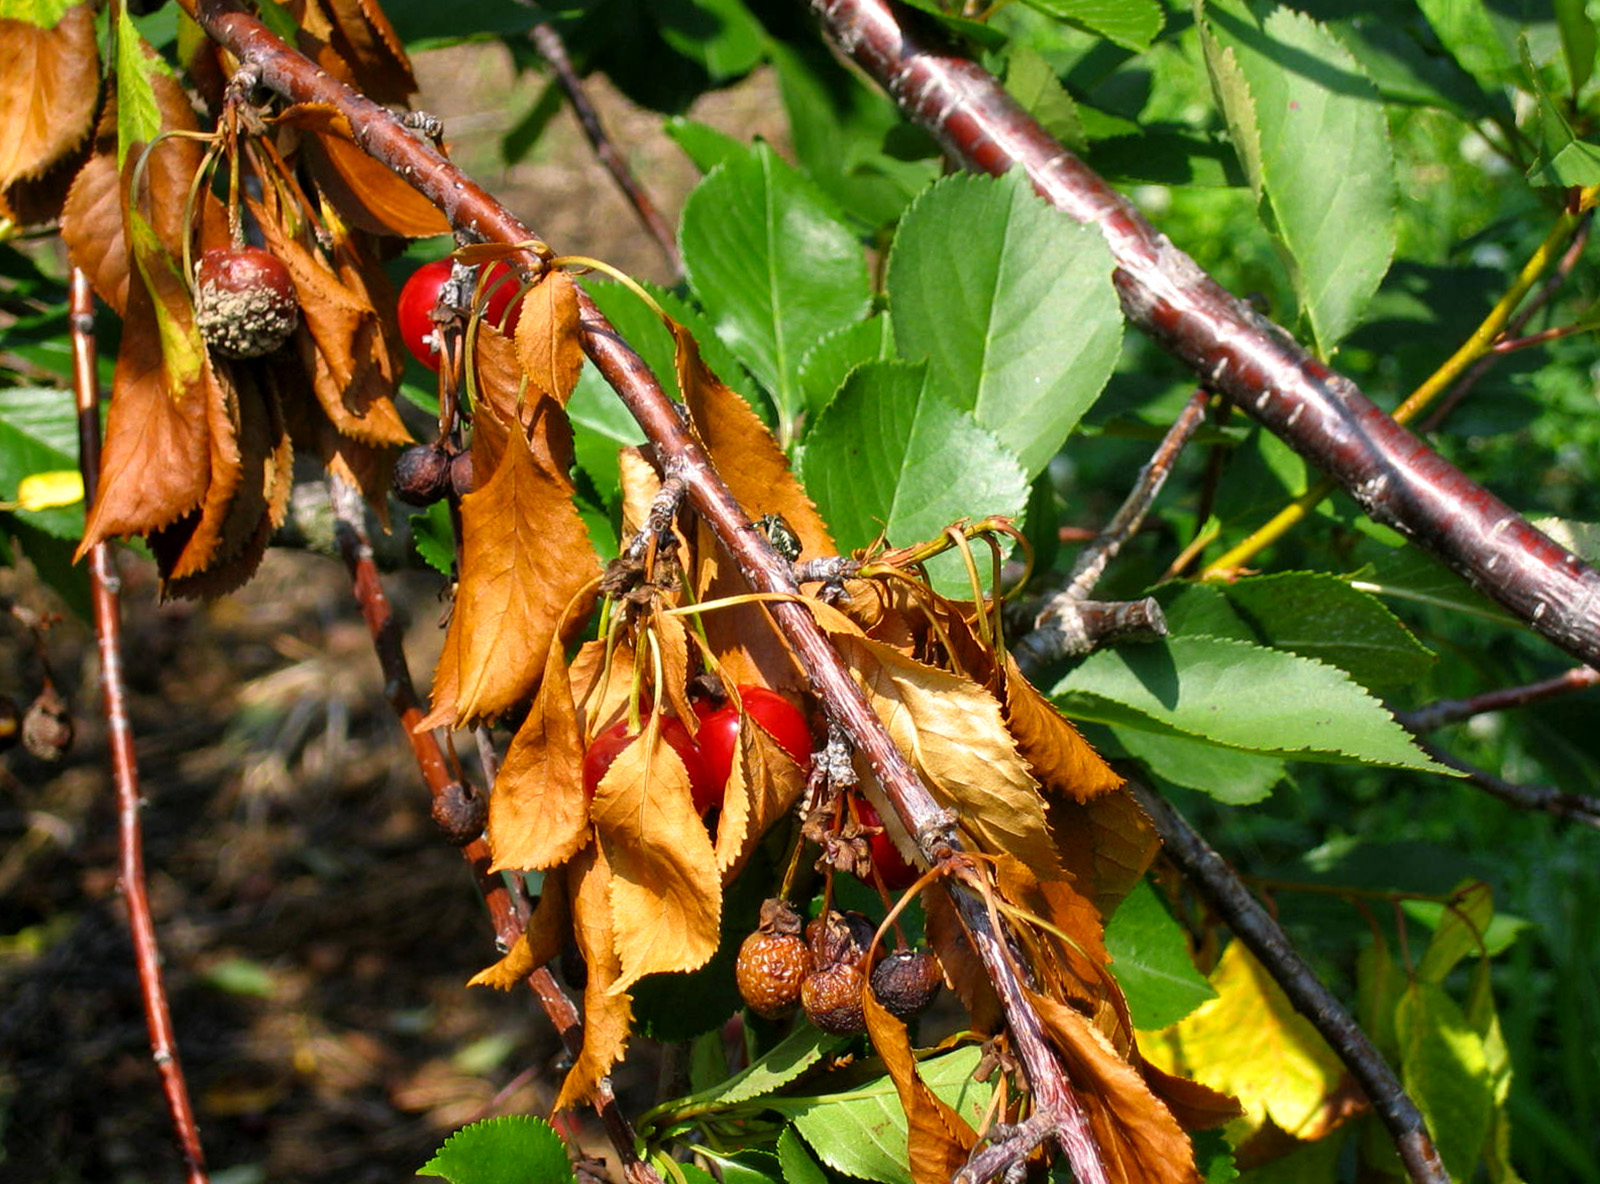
column 896, row 872
column 614, row 739
column 781, row 719
column 421, row 294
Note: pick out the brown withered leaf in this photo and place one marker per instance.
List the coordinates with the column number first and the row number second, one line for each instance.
column 763, row 786
column 952, row 732
column 53, row 79
column 671, row 637
column 963, row 968
column 1061, row 759
column 639, row 483
column 548, row 345
column 600, row 690
column 545, row 936
column 666, row 896
column 367, row 41
column 938, row 1139
column 538, row 813
column 1139, row 1140
column 1078, row 963
column 503, row 397
column 607, row 1012
column 365, row 192
column 525, row 554
column 1106, row 844
column 199, row 548
column 91, row 226
column 154, row 466
column 744, row 452
column 224, row 576
column 1196, row 1107
column 748, row 646
column 169, row 173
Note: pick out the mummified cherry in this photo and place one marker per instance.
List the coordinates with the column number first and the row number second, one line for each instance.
column 47, row 726
column 839, row 937
column 422, row 475
column 906, row 981
column 245, row 302
column 773, row 961
column 460, row 811
column 832, row 999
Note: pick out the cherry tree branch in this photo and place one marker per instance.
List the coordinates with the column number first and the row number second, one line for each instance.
column 472, row 211
column 104, row 583
column 507, row 910
column 1396, row 478
column 1574, row 807
column 1452, row 711
column 1253, row 925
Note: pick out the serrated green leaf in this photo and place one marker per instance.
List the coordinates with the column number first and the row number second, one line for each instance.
column 39, row 434
column 795, row 1161
column 138, row 116
column 1032, row 81
column 829, row 362
column 1151, row 963
column 434, row 538
column 1410, row 574
column 1214, row 1157
column 1445, row 1069
column 1132, row 24
column 1011, row 302
column 1564, row 159
column 780, row 1065
column 748, row 1167
column 721, row 35
column 1240, row 696
column 703, row 144
column 1297, row 101
column 1238, row 778
column 1321, row 616
column 773, row 266
column 863, row 1131
column 1578, row 41
column 891, row 455
column 1472, row 35
column 517, row 1149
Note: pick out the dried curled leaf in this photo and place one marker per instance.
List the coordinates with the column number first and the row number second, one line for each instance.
column 52, row 80
column 547, row 932
column 938, row 1139
column 666, row 896
column 1060, row 757
column 548, row 346
column 538, row 814
column 607, row 1009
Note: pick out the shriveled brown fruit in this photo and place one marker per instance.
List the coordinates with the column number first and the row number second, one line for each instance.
column 245, row 302
column 422, row 475
column 839, row 937
column 832, row 999
column 460, row 811
column 905, row 982
column 772, row 962
column 47, row 728
column 461, row 473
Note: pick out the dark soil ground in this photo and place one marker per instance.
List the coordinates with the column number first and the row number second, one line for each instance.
column 317, row 932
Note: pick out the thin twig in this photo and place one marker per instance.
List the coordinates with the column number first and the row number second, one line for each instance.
column 508, row 907
column 1575, row 807
column 104, row 583
column 1069, row 628
column 1093, row 559
column 1254, row 926
column 1451, row 711
column 554, row 51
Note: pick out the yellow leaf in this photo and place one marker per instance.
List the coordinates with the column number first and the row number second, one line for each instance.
column 41, row 491
column 525, row 554
column 538, row 814
column 1250, row 1042
column 938, row 1139
column 607, row 1012
column 763, row 786
column 666, row 896
column 953, row 733
column 548, row 930
column 548, row 347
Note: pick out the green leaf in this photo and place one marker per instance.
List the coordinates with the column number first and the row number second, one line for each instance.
column 978, row 32
column 704, row 145
column 1472, row 35
column 891, row 455
column 1011, row 302
column 1578, row 41
column 1321, row 616
column 434, row 538
column 829, row 362
column 1032, row 82
column 1445, row 1069
column 862, row 1131
column 39, row 434
column 1564, row 159
column 1238, row 778
column 1410, row 574
column 1214, row 1157
column 1132, row 24
column 138, row 116
column 45, row 14
column 1468, row 928
column 780, row 1065
column 720, row 35
column 748, row 1167
column 513, row 1150
column 1485, row 1020
column 1313, row 138
column 795, row 1161
column 1240, row 696
column 773, row 266
column 1150, row 959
